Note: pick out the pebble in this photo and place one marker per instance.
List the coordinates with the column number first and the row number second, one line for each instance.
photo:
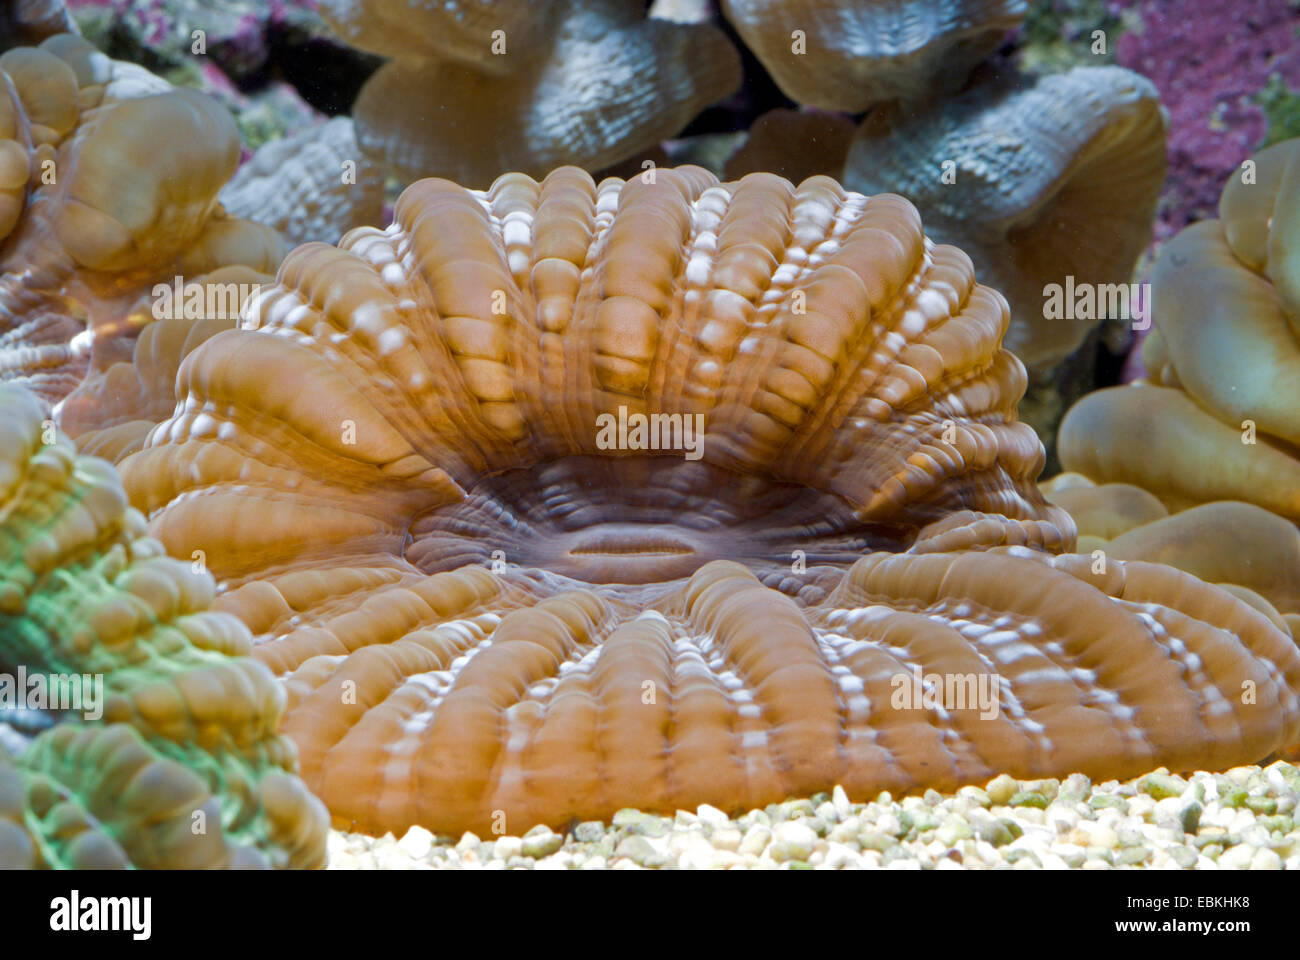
column 1262, row 805
column 1133, row 855
column 1026, row 798
column 417, row 843
column 645, row 824
column 755, row 840
column 639, row 850
column 712, row 816
column 976, row 795
column 879, row 842
column 792, row 840
column 1104, row 801
column 507, row 848
column 953, row 830
column 1190, row 817
column 1240, row 819
column 891, row 825
column 1001, row 789
column 1160, row 786
column 1236, row 858
column 727, row 838
column 538, row 845
column 1184, row 857
column 839, row 856
column 1265, row 859
column 840, row 800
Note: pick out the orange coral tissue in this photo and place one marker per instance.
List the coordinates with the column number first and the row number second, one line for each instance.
column 447, row 474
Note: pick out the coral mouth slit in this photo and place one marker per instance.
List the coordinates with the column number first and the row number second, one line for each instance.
column 641, row 520
column 620, row 541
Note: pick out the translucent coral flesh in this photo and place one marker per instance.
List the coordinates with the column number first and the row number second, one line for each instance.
column 479, row 609
column 96, row 207
column 1220, row 419
column 297, row 184
column 1037, row 182
column 585, row 82
column 851, row 56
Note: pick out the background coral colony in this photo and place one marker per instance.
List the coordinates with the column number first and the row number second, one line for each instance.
column 585, row 435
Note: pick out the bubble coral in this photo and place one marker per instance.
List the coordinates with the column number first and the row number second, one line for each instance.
column 1226, row 542
column 96, row 206
column 1220, row 419
column 1102, row 512
column 1053, row 177
column 481, row 610
column 183, row 768
column 475, row 90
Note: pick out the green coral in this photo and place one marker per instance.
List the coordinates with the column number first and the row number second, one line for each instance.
column 1282, row 109
column 184, row 768
column 1059, row 35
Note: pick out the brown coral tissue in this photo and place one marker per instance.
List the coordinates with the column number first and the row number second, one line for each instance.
column 558, row 498
column 96, row 206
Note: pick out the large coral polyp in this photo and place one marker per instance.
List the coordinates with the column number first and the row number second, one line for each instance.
column 481, row 607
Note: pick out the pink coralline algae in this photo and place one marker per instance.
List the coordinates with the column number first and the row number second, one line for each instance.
column 1210, row 60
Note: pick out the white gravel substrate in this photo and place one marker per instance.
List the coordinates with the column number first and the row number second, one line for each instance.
column 1242, row 819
